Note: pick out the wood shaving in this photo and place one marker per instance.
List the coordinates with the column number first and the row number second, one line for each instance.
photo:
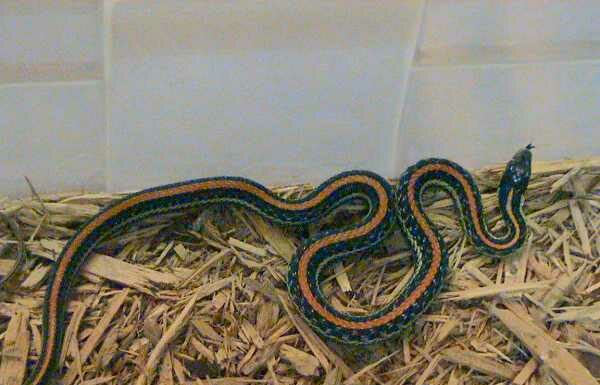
column 200, row 298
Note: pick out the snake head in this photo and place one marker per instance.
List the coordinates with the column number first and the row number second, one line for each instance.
column 517, row 171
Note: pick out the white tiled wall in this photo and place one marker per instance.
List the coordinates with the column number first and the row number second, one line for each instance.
column 52, row 116
column 122, row 95
column 490, row 76
column 52, row 134
column 272, row 90
column 482, row 114
column 52, row 41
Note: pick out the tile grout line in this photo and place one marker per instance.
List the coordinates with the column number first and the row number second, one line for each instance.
column 397, row 147
column 107, row 8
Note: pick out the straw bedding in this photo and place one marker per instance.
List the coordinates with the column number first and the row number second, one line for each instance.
column 199, row 298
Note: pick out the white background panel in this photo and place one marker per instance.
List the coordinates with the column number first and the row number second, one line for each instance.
column 122, row 95
column 280, row 92
column 491, row 31
column 53, row 135
column 480, row 115
column 50, row 40
column 492, row 22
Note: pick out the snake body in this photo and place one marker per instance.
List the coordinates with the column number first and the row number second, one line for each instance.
column 387, row 206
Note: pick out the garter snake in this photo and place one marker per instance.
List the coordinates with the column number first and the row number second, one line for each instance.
column 387, row 206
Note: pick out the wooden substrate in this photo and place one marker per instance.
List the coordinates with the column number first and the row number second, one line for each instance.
column 200, row 298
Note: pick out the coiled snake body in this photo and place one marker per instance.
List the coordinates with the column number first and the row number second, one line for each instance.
column 387, row 207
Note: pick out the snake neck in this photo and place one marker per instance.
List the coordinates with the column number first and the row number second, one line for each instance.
column 459, row 184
